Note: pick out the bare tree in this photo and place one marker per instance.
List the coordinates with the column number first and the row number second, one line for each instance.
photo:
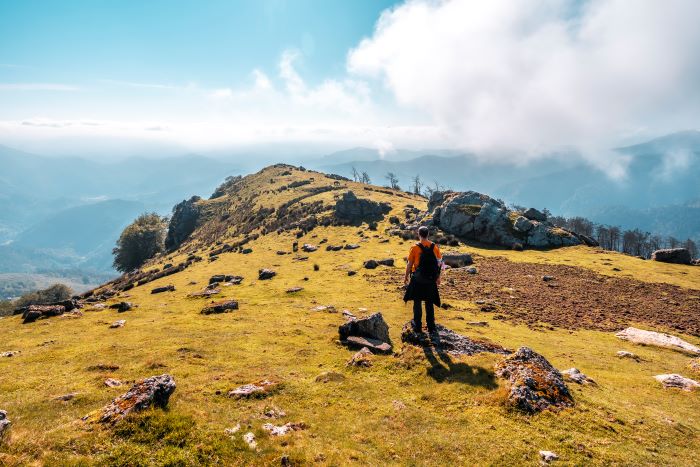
column 393, row 180
column 355, row 174
column 417, row 185
column 365, row 178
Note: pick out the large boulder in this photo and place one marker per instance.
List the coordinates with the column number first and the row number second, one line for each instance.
column 657, row 339
column 448, row 341
column 677, row 381
column 350, row 209
column 672, row 255
column 371, row 332
column 183, row 222
column 35, row 312
column 479, row 217
column 535, row 385
column 224, row 306
column 150, row 392
column 457, row 260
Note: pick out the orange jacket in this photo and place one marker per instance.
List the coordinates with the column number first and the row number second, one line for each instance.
column 414, row 254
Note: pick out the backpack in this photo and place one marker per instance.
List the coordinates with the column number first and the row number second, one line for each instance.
column 428, row 269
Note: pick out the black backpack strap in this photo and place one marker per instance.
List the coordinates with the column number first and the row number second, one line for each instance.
column 432, row 247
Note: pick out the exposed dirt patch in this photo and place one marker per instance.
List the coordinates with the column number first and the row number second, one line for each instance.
column 572, row 297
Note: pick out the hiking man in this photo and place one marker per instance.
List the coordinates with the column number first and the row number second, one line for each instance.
column 422, row 280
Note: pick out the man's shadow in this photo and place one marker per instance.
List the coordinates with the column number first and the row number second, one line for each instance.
column 444, row 369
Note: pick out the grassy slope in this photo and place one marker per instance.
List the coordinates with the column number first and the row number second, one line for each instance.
column 453, row 410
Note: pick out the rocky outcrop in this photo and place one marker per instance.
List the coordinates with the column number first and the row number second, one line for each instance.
column 224, row 306
column 265, row 274
column 165, row 288
column 151, row 392
column 476, row 216
column 254, row 390
column 448, row 341
column 35, row 312
column 677, row 381
column 658, row 339
column 535, row 385
column 183, row 222
column 672, row 255
column 350, row 209
column 371, row 332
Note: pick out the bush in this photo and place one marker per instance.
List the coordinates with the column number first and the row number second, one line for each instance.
column 141, row 240
column 53, row 294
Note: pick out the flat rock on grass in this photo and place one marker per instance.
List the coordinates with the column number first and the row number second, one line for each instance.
column 224, row 306
column 535, row 385
column 10, row 353
column 282, row 430
column 165, row 288
column 677, row 381
column 658, row 339
column 294, row 289
column 373, row 345
column 254, row 390
column 265, row 274
column 118, row 324
column 363, row 358
column 575, row 375
column 448, row 341
column 371, row 332
column 150, row 392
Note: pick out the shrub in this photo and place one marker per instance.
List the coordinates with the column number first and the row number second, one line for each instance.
column 140, row 241
column 52, row 294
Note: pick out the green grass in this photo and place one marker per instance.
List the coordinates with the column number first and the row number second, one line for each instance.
column 409, row 408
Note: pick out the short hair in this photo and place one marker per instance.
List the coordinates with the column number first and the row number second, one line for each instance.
column 423, row 232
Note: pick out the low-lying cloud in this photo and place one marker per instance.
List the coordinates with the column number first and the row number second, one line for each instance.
column 522, row 79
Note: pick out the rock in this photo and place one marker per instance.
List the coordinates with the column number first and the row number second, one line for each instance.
column 249, row 439
column 626, row 354
column 326, row 308
column 246, row 251
column 112, row 383
column 294, row 289
column 118, row 324
column 374, row 345
column 233, row 430
column 273, row 412
column 208, row 292
column 254, row 390
column 478, row 323
column 350, row 209
column 330, row 377
column 457, row 260
column 575, row 375
column 386, row 262
column 447, row 341
column 672, row 255
column 372, row 326
column 472, row 270
column 476, row 216
column 348, row 314
column 282, row 252
column 371, row 264
column 640, row 336
column 548, row 456
column 35, row 312
column 10, row 353
column 535, row 215
column 66, row 397
column 308, row 248
column 223, row 306
column 535, row 385
column 334, row 247
column 352, row 273
column 4, row 422
column 363, row 358
column 183, row 222
column 351, row 246
column 694, row 365
column 283, row 429
column 150, row 392
column 217, row 278
column 166, row 288
column 264, row 274
column 677, row 381
column 547, row 278
column 121, row 307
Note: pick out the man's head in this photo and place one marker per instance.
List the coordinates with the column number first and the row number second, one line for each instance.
column 423, row 232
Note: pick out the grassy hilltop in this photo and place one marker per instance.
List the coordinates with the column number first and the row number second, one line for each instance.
column 408, row 408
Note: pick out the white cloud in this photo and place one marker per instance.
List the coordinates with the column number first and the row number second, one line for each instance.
column 520, row 79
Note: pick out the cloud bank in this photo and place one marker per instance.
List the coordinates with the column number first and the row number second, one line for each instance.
column 521, row 79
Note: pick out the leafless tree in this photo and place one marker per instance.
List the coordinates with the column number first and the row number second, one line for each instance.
column 355, row 174
column 417, row 185
column 365, row 178
column 393, row 180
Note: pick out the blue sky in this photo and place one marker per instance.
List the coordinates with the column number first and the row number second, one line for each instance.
column 505, row 79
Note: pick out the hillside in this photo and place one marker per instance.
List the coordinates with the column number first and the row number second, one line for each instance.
column 417, row 405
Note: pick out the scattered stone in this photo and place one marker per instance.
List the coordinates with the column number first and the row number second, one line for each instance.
column 66, row 397
column 10, row 353
column 220, row 278
column 547, row 278
column 548, row 456
column 371, row 264
column 457, row 260
column 386, row 262
column 233, row 430
column 626, row 354
column 658, row 339
column 112, row 383
column 363, row 358
column 447, row 341
column 208, row 292
column 694, row 365
column 334, row 247
column 677, row 381
column 482, row 324
column 224, row 306
column 375, row 345
column 348, row 314
column 672, row 255
column 326, row 308
column 373, row 329
column 254, row 390
column 352, row 273
column 308, row 248
column 283, row 429
column 4, row 422
column 330, row 377
column 35, row 312
column 166, row 288
column 249, row 439
column 274, row 412
column 471, row 270
column 118, row 324
column 535, row 385
column 121, row 307
column 351, row 246
column 575, row 375
column 264, row 274
column 150, row 392
column 246, row 251
column 281, row 253
column 294, row 289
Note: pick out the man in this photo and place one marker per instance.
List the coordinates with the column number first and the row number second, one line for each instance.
column 422, row 280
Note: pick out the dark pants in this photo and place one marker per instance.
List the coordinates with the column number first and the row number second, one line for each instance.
column 429, row 315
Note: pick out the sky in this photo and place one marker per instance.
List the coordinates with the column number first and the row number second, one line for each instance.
column 512, row 80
